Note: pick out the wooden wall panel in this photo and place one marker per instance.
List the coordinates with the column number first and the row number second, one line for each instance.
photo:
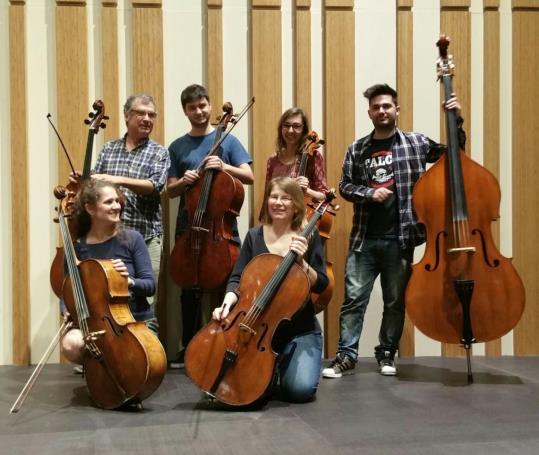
column 71, row 82
column 302, row 54
column 109, row 49
column 455, row 22
column 148, row 78
column 214, row 55
column 148, row 57
column 19, row 185
column 339, row 121
column 525, row 162
column 266, row 84
column 405, row 89
column 491, row 114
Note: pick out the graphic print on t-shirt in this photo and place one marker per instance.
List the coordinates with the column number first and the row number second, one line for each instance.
column 380, row 169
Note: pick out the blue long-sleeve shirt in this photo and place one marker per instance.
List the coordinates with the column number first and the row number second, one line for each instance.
column 129, row 246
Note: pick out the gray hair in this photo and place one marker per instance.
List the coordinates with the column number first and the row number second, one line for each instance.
column 142, row 97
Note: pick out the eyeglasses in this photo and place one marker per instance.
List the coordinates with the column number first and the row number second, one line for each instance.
column 141, row 114
column 277, row 198
column 294, row 126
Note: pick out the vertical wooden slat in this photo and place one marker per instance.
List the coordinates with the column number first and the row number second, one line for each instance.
column 491, row 114
column 339, row 121
column 214, row 62
column 302, row 54
column 19, row 184
column 109, row 40
column 405, row 89
column 266, row 84
column 455, row 22
column 71, row 81
column 148, row 78
column 525, row 162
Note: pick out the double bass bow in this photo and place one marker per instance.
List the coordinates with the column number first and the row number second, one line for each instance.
column 95, row 121
column 463, row 290
column 204, row 255
column 233, row 360
column 312, row 141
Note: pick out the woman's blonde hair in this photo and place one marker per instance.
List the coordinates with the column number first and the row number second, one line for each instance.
column 290, row 187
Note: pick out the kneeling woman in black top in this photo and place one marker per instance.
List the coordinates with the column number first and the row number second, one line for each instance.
column 300, row 342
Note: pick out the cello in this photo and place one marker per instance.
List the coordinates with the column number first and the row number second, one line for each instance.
column 124, row 361
column 320, row 301
column 204, row 255
column 463, row 290
column 233, row 360
column 95, row 121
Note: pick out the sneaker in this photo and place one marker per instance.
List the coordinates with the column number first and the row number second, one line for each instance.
column 387, row 366
column 178, row 361
column 341, row 364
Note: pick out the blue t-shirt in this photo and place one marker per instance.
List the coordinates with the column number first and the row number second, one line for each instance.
column 187, row 152
column 129, row 246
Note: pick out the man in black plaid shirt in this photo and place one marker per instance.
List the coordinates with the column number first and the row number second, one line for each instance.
column 139, row 166
column 379, row 174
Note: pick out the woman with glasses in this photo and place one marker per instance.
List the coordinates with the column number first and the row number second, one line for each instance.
column 298, row 343
column 291, row 132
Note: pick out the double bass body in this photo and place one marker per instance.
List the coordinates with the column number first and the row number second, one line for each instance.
column 462, row 250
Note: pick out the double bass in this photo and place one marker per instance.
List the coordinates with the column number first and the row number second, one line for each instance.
column 233, row 360
column 124, row 361
column 312, row 141
column 204, row 255
column 463, row 290
column 96, row 120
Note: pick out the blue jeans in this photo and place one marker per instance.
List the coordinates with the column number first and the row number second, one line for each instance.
column 382, row 257
column 299, row 366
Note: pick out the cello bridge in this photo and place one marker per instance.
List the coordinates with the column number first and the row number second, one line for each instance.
column 246, row 328
column 200, row 229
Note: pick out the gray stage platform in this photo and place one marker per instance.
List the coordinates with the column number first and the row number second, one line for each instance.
column 427, row 409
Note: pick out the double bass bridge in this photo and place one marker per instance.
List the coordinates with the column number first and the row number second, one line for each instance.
column 462, row 249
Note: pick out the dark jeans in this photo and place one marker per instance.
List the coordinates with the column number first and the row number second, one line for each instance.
column 191, row 314
column 382, row 257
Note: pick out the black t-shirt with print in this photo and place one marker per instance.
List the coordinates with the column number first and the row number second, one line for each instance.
column 383, row 216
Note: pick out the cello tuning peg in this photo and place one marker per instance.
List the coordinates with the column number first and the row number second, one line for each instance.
column 103, row 125
column 106, row 117
column 86, row 121
column 91, row 114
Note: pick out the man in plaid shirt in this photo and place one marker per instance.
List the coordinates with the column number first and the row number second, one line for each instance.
column 139, row 166
column 379, row 174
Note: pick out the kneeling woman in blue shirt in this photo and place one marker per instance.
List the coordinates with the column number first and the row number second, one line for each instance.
column 101, row 236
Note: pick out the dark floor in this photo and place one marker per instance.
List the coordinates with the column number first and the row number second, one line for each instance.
column 427, row 409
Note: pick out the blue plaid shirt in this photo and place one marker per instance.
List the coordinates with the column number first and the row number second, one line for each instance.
column 411, row 152
column 147, row 161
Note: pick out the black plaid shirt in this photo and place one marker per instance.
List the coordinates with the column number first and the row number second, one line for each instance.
column 148, row 161
column 411, row 152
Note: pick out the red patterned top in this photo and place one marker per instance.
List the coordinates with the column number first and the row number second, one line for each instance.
column 314, row 172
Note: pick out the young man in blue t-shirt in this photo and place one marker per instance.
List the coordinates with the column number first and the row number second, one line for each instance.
column 187, row 154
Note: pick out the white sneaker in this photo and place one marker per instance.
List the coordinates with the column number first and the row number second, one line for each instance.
column 387, row 367
column 339, row 366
